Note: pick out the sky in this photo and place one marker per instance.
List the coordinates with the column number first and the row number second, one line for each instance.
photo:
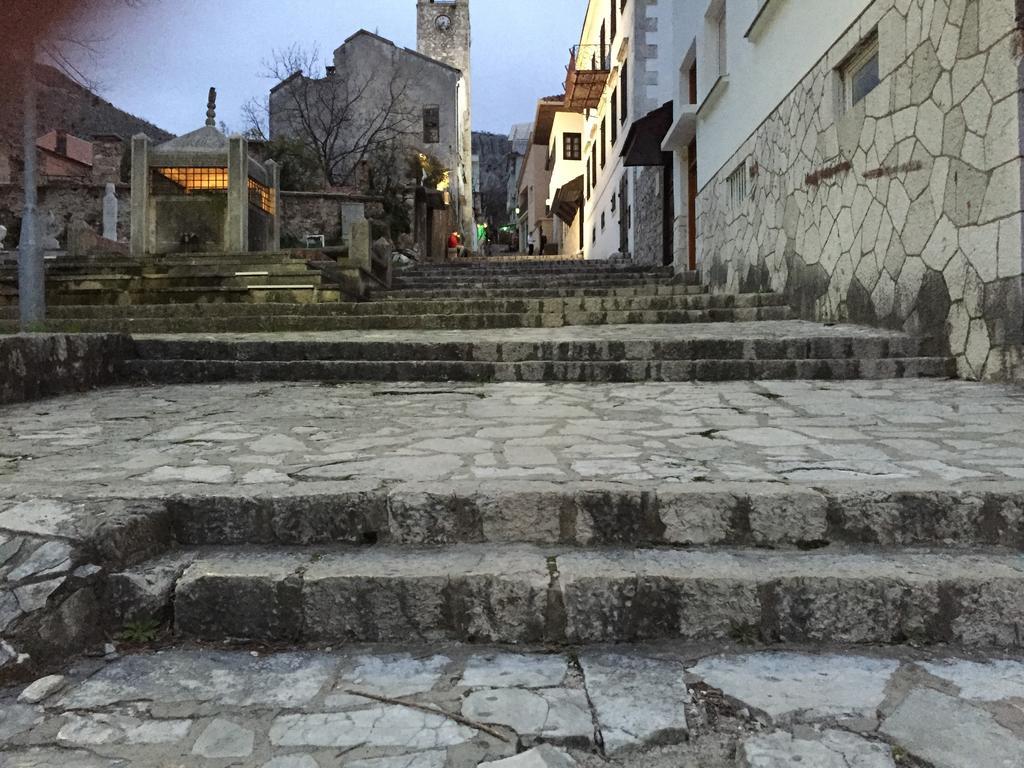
column 158, row 62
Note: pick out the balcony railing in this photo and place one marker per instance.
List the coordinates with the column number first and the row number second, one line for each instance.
column 587, row 76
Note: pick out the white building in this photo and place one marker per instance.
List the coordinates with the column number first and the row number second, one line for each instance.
column 618, row 75
column 861, row 156
column 864, row 158
column 519, row 139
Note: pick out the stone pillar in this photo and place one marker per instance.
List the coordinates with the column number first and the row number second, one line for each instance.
column 236, row 239
column 140, row 196
column 359, row 245
column 110, row 213
column 274, row 179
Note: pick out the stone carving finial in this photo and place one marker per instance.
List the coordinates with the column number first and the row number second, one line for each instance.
column 211, row 108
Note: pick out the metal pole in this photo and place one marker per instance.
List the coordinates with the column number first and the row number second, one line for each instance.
column 31, row 288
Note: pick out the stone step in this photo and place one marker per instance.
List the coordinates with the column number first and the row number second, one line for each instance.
column 711, row 370
column 524, row 281
column 442, row 306
column 217, row 271
column 571, row 271
column 669, row 289
column 183, row 371
column 295, row 323
column 595, row 514
column 522, row 594
column 745, row 342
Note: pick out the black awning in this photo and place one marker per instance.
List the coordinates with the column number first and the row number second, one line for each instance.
column 642, row 146
column 568, row 199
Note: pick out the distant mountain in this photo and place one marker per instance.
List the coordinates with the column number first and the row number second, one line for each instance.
column 494, row 169
column 66, row 106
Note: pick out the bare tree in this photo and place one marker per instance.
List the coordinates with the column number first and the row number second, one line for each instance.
column 343, row 118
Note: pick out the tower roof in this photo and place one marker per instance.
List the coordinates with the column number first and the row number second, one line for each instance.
column 205, row 139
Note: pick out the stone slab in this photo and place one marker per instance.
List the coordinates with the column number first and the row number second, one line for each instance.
column 637, row 701
column 380, row 726
column 950, row 733
column 553, row 715
column 833, row 749
column 784, row 686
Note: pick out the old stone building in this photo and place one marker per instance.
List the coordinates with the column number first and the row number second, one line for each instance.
column 380, row 98
column 491, row 169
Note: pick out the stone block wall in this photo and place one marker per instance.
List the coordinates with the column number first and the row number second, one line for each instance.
column 904, row 211
column 308, row 213
column 35, row 366
column 648, row 223
column 66, row 199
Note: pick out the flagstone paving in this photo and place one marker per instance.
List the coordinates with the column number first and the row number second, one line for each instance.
column 635, row 706
column 141, row 442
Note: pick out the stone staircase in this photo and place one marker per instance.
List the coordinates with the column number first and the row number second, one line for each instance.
column 564, row 494
column 76, row 282
column 699, row 352
column 464, row 321
column 344, row 557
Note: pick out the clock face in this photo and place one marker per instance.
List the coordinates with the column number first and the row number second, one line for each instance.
column 444, row 22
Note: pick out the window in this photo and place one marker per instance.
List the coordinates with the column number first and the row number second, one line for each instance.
column 593, row 165
column 624, row 87
column 602, row 221
column 615, row 117
column 615, row 20
column 593, row 237
column 717, row 29
column 572, row 146
column 860, row 73
column 589, row 180
column 604, row 142
column 431, row 125
column 737, row 182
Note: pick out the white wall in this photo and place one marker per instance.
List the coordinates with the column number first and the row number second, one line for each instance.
column 762, row 70
column 564, row 171
column 630, row 38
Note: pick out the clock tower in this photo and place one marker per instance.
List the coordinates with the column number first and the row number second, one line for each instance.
column 443, row 32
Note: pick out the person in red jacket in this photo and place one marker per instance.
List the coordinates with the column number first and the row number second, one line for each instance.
column 453, row 240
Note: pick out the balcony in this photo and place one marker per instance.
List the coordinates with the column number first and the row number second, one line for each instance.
column 588, row 71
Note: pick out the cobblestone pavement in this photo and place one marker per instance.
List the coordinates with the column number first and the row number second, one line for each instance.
column 132, row 442
column 642, row 707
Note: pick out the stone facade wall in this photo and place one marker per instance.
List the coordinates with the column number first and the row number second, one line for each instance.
column 904, row 211
column 647, row 216
column 37, row 366
column 66, row 199
column 307, row 213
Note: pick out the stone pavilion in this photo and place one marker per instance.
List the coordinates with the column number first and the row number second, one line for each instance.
column 203, row 192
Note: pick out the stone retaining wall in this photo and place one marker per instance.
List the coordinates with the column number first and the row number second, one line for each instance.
column 904, row 211
column 36, row 366
column 65, row 198
column 321, row 213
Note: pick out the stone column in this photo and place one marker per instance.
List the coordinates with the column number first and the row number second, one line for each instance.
column 110, row 213
column 359, row 244
column 236, row 239
column 274, row 179
column 140, row 196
